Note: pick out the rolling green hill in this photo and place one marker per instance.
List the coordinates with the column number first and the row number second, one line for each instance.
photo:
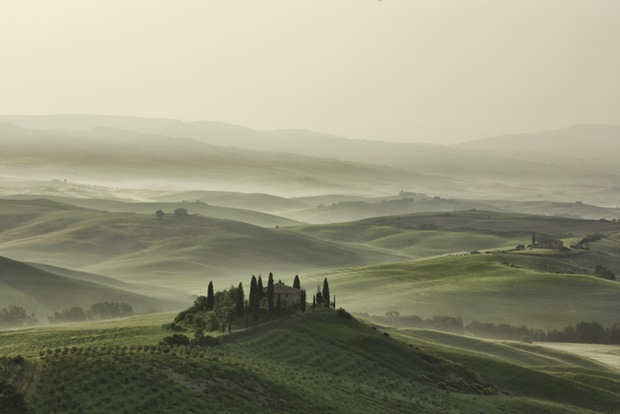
column 194, row 207
column 430, row 234
column 484, row 288
column 44, row 292
column 177, row 251
column 317, row 361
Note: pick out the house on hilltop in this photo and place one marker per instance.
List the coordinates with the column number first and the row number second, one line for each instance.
column 546, row 243
column 289, row 296
column 550, row 244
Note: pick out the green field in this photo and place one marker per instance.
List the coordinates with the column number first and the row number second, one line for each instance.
column 436, row 232
column 307, row 362
column 484, row 288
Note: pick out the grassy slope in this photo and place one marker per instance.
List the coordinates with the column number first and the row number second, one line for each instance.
column 44, row 293
column 465, row 231
column 175, row 251
column 527, row 370
column 306, row 363
column 246, row 215
column 477, row 287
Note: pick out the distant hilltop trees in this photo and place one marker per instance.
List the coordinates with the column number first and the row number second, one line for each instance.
column 160, row 214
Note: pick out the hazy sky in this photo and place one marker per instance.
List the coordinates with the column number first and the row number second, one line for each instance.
column 423, row 71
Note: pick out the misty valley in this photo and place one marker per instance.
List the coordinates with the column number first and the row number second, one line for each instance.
column 161, row 266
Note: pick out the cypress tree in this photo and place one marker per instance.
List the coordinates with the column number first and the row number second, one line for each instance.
column 319, row 298
column 296, row 282
column 256, row 310
column 302, row 300
column 210, row 297
column 313, row 302
column 278, row 305
column 270, row 295
column 260, row 290
column 253, row 288
column 239, row 301
column 334, row 302
column 326, row 293
column 257, row 299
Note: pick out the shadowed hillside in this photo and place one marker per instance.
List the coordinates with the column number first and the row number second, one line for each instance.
column 317, row 361
column 44, row 292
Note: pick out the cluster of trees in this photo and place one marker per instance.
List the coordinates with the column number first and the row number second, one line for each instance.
column 222, row 309
column 16, row 316
column 101, row 310
column 583, row 332
column 440, row 322
column 601, row 271
column 584, row 243
column 322, row 298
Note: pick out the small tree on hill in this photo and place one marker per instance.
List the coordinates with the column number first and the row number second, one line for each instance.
column 224, row 310
column 210, row 297
column 253, row 288
column 239, row 302
column 302, row 300
column 160, row 214
column 319, row 298
column 296, row 282
column 270, row 295
column 326, row 293
column 260, row 290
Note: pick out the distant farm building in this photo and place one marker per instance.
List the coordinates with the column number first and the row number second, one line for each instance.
column 180, row 212
column 546, row 243
column 550, row 244
column 289, row 296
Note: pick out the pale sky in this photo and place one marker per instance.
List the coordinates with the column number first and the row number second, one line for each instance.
column 435, row 71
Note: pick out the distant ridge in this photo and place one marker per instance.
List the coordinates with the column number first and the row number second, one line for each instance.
column 592, row 141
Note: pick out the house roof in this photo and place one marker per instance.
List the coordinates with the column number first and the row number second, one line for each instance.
column 283, row 289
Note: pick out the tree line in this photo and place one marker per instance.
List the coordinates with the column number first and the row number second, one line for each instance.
column 16, row 316
column 582, row 332
column 100, row 310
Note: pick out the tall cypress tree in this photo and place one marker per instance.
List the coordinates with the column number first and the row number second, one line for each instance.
column 260, row 290
column 253, row 288
column 296, row 282
column 239, row 301
column 270, row 295
column 326, row 293
column 210, row 297
column 313, row 302
column 278, row 305
column 302, row 300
